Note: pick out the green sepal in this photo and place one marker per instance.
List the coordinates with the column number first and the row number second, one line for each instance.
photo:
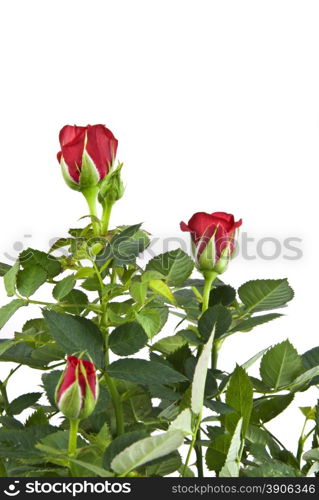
column 89, row 175
column 222, row 263
column 71, row 401
column 89, row 402
column 66, row 176
column 206, row 260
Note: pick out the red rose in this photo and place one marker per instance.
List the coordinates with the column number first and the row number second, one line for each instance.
column 213, row 239
column 77, row 390
column 86, row 155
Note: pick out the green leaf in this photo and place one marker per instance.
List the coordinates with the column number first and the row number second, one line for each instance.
column 260, row 295
column 102, row 439
column 163, row 289
column 217, row 317
column 91, row 284
column 63, row 287
column 302, row 380
column 150, row 320
column 313, row 470
column 253, row 359
column 98, row 471
column 126, row 245
column 219, row 407
column 147, row 276
column 5, row 345
column 9, row 309
column 183, row 422
column 239, row 395
column 250, row 323
column 84, row 272
column 119, row 444
column 127, row 339
column 310, row 359
column 311, row 455
column 4, row 268
column 60, row 243
column 141, row 371
column 21, row 443
column 137, row 404
column 232, row 464
column 30, row 279
column 273, row 469
column 200, row 374
column 163, row 392
column 145, row 450
column 57, row 442
column 21, row 352
column 268, row 408
column 77, row 301
column 11, row 423
column 259, row 386
column 31, row 257
column 22, row 402
column 224, row 295
column 176, row 266
column 163, row 466
column 47, row 353
column 217, row 452
column 168, row 345
column 280, row 365
column 138, row 290
column 10, row 279
column 191, row 337
column 75, row 334
column 308, row 412
column 256, row 435
column 38, row 417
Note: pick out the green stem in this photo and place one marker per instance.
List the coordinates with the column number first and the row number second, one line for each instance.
column 215, row 352
column 107, row 209
column 196, row 435
column 11, row 373
column 210, row 277
column 73, row 435
column 199, row 455
column 3, row 391
column 117, row 404
column 301, row 442
column 103, row 323
column 90, row 195
column 61, row 304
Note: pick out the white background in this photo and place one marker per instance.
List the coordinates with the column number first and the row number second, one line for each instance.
column 215, row 105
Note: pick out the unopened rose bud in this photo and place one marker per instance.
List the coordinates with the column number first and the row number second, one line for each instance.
column 111, row 188
column 87, row 154
column 77, row 391
column 213, row 239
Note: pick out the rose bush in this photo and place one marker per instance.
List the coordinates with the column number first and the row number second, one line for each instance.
column 107, row 311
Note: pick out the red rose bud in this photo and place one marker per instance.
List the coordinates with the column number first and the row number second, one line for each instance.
column 87, row 154
column 213, row 239
column 77, row 390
